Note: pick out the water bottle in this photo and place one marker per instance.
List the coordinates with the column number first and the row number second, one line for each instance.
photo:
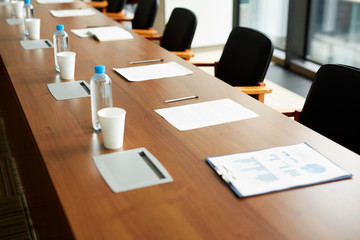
column 101, row 94
column 61, row 43
column 28, row 12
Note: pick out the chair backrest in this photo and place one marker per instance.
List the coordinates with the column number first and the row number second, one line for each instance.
column 115, row 5
column 145, row 14
column 245, row 58
column 331, row 105
column 179, row 30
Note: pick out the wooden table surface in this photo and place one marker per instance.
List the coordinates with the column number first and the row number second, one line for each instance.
column 53, row 143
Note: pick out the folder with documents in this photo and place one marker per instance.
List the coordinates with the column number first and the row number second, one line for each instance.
column 275, row 169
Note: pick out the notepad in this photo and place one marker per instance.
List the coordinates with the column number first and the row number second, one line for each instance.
column 198, row 115
column 4, row 4
column 36, row 44
column 275, row 169
column 73, row 12
column 15, row 21
column 131, row 169
column 112, row 33
column 153, row 71
column 69, row 90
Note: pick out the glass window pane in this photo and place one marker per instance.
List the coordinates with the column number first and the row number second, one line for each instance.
column 269, row 17
column 334, row 32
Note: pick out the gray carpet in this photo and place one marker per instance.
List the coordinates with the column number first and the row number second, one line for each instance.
column 14, row 218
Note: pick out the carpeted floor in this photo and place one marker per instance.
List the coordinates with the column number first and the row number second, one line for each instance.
column 14, row 220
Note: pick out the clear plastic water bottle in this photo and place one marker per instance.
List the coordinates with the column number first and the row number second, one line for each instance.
column 61, row 43
column 28, row 12
column 101, row 94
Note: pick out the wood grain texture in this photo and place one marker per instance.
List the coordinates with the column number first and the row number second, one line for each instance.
column 53, row 143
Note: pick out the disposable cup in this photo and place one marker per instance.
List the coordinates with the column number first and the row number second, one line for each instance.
column 33, row 26
column 18, row 8
column 112, row 122
column 66, row 61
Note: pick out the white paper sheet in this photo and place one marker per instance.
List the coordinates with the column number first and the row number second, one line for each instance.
column 73, row 12
column 275, row 169
column 205, row 114
column 54, row 1
column 112, row 33
column 153, row 71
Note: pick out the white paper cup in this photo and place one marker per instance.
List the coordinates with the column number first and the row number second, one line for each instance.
column 33, row 26
column 66, row 61
column 112, row 122
column 18, row 8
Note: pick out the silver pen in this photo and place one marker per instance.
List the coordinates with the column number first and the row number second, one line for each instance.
column 180, row 99
column 148, row 61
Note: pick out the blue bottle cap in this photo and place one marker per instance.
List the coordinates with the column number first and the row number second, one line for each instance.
column 99, row 69
column 59, row 27
column 26, row 1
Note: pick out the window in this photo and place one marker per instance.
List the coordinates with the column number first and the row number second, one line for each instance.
column 334, row 32
column 269, row 17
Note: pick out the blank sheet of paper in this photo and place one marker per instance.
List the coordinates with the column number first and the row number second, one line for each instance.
column 112, row 33
column 153, row 71
column 205, row 114
column 73, row 12
column 54, row 1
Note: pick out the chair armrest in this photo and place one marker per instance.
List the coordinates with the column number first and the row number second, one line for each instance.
column 254, row 90
column 122, row 19
column 99, row 5
column 115, row 15
column 258, row 91
column 187, row 54
column 146, row 32
column 204, row 64
column 291, row 113
column 153, row 37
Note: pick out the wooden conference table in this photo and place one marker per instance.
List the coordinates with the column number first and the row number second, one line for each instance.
column 53, row 144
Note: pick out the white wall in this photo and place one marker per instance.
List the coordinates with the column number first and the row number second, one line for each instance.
column 214, row 19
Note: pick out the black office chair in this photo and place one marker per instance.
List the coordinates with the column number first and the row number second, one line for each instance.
column 101, row 5
column 331, row 105
column 178, row 33
column 144, row 17
column 244, row 61
column 115, row 9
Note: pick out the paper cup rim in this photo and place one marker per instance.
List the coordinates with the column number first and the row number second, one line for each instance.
column 32, row 20
column 113, row 112
column 66, row 54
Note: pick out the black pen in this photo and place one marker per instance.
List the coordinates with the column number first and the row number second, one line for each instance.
column 47, row 43
column 85, row 87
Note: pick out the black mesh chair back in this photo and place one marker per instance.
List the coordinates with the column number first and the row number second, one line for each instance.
column 331, row 105
column 115, row 6
column 179, row 31
column 145, row 14
column 245, row 58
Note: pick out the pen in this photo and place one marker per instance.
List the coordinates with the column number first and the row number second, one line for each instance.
column 96, row 26
column 147, row 61
column 151, row 164
column 85, row 87
column 47, row 42
column 180, row 99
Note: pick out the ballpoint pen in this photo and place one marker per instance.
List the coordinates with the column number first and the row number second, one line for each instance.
column 180, row 99
column 147, row 61
column 97, row 26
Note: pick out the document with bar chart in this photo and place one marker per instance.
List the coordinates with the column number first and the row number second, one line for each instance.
column 275, row 169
